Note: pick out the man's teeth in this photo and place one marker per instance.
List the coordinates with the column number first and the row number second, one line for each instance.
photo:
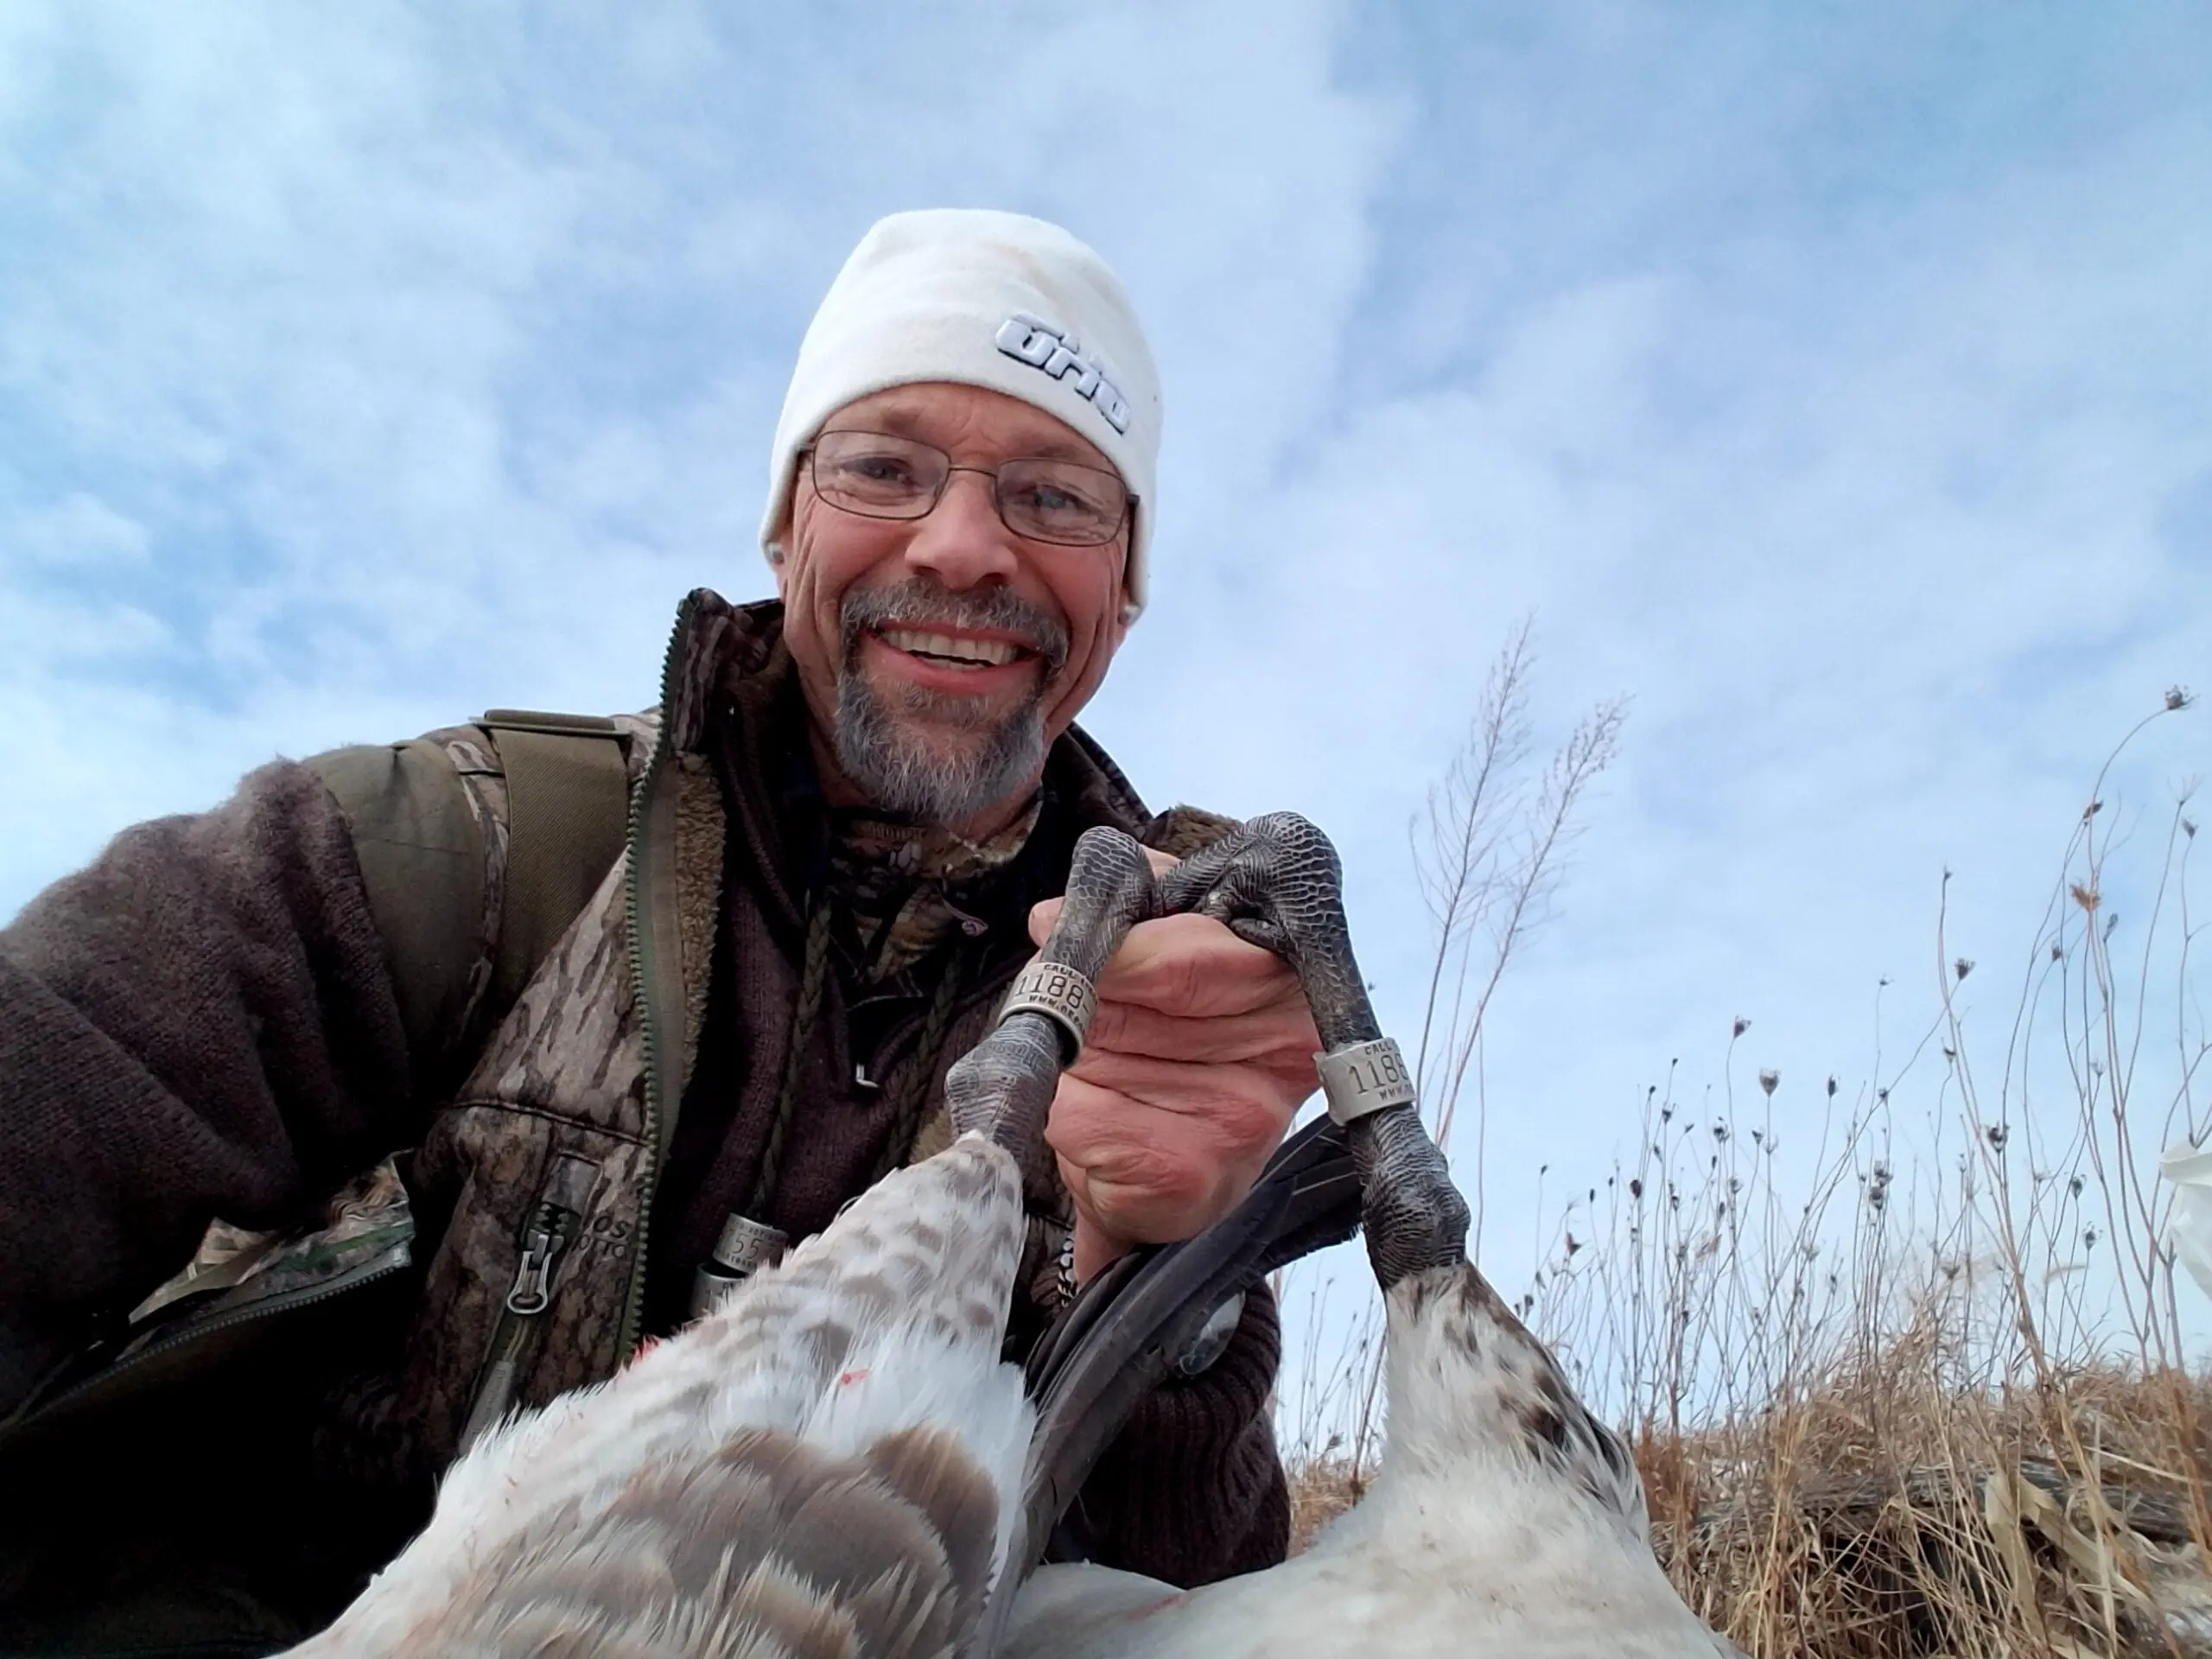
column 992, row 652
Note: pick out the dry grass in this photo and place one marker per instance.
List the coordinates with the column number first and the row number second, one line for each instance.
column 1882, row 1518
column 1920, row 1381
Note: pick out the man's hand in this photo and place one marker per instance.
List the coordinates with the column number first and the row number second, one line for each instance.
column 1201, row 1052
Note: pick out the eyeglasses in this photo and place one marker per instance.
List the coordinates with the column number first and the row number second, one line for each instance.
column 880, row 476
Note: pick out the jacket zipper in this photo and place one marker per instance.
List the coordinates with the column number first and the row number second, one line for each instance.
column 307, row 1295
column 642, row 969
column 555, row 1221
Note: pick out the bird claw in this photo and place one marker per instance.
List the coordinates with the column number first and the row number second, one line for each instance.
column 1256, row 929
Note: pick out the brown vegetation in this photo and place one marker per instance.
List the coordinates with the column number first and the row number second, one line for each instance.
column 1920, row 1383
column 1882, row 1519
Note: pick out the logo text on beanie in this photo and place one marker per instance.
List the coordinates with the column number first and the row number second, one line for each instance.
column 1052, row 348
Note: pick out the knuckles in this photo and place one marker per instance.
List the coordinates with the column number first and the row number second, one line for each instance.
column 1154, row 1162
column 1218, row 1117
column 1188, row 965
column 1200, row 1053
column 1131, row 1182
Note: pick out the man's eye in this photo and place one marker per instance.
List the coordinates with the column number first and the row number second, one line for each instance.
column 1048, row 499
column 878, row 469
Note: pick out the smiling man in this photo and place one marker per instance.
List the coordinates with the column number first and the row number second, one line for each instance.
column 419, row 1081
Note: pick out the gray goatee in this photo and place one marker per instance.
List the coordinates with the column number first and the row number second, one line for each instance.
column 880, row 753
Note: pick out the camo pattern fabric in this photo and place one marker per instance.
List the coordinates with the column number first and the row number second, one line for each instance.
column 484, row 782
column 898, row 883
column 563, row 1074
column 368, row 1224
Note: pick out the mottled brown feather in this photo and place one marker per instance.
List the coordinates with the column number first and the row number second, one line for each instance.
column 931, row 1472
column 896, row 1546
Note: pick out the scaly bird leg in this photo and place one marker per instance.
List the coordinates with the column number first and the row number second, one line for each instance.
column 1004, row 1085
column 1277, row 883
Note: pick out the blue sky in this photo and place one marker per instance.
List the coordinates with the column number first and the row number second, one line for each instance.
column 1834, row 381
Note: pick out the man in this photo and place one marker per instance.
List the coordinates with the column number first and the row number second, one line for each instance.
column 387, row 1097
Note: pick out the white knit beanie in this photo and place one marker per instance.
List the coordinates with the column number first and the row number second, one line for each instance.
column 984, row 299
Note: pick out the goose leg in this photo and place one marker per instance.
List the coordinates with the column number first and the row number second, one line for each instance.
column 1277, row 883
column 1003, row 1087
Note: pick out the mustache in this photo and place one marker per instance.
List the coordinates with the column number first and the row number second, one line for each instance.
column 916, row 603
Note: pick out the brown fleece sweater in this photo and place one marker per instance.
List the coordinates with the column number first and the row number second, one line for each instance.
column 199, row 1024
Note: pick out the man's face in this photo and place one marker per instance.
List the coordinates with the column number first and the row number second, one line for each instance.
column 885, row 618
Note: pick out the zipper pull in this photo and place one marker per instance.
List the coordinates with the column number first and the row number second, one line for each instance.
column 554, row 1222
column 532, row 1290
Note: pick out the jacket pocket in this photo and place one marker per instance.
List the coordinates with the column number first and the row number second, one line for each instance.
column 237, row 1279
column 551, row 1226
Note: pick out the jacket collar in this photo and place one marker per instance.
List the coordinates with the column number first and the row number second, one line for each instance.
column 732, row 699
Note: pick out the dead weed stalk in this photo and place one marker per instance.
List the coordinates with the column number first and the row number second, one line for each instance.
column 1919, row 1383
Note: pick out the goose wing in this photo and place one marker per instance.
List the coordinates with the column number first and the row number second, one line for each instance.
column 828, row 1463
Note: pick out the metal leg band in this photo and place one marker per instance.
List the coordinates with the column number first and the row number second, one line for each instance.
column 745, row 1248
column 710, row 1282
column 1060, row 994
column 1364, row 1078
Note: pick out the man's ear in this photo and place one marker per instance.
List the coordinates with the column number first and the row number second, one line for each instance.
column 777, row 547
column 1130, row 609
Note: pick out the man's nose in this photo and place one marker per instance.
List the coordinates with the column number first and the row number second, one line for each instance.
column 964, row 542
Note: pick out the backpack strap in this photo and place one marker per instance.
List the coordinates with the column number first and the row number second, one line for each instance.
column 567, row 815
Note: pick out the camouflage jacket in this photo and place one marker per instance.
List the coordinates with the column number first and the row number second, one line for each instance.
column 531, row 1124
column 552, row 1145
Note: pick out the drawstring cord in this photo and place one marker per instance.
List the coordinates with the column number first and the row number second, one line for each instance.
column 906, row 1126
column 906, row 1121
column 813, row 971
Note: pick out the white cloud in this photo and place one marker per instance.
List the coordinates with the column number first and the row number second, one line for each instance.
column 431, row 359
column 1874, row 513
column 1835, row 387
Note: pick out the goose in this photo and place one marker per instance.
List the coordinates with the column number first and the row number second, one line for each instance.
column 835, row 1460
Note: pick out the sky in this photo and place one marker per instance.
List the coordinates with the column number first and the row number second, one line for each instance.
column 1833, row 383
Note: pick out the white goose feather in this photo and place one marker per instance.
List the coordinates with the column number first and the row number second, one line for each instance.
column 1503, row 1521
column 825, row 1465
